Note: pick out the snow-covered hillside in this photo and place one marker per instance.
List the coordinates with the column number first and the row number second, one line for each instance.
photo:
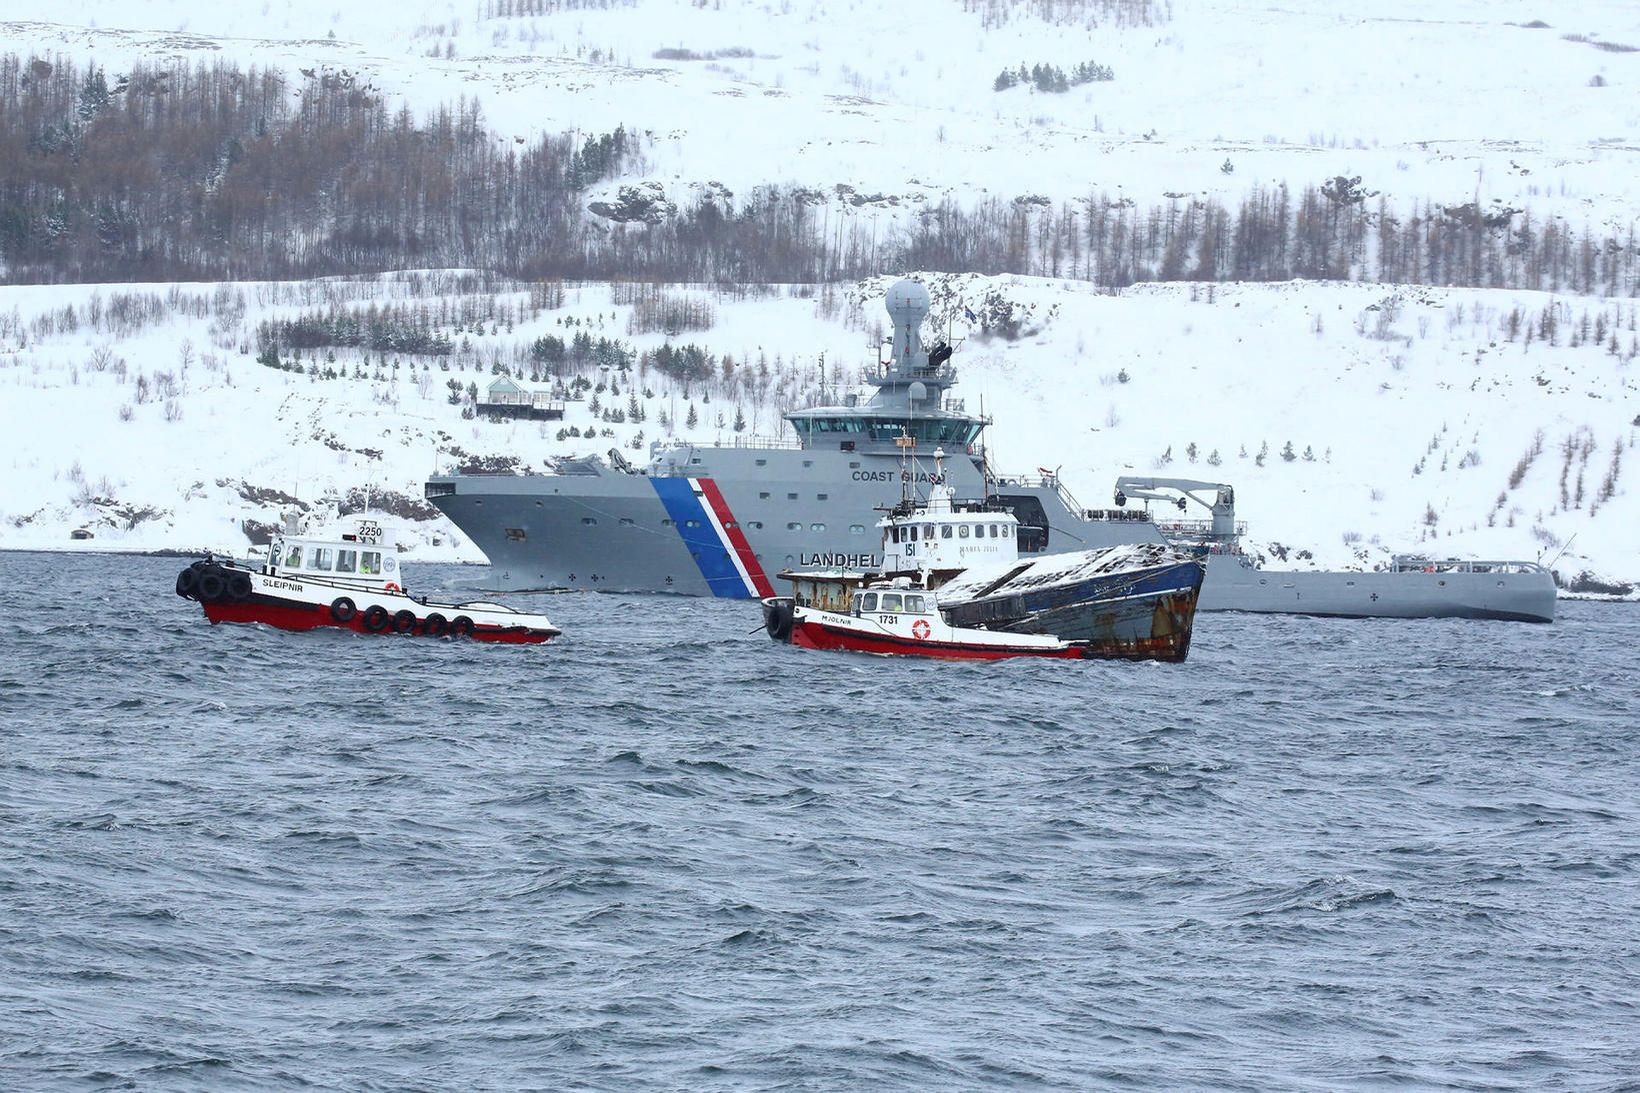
column 1454, row 420
column 1509, row 101
column 1408, row 414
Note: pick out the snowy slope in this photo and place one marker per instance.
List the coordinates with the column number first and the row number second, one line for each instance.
column 1416, row 403
column 1450, row 101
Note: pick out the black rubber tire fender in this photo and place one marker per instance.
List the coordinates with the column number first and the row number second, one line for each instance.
column 461, row 627
column 404, row 622
column 211, row 585
column 342, row 609
column 778, row 619
column 376, row 618
column 434, row 625
column 239, row 587
column 188, row 582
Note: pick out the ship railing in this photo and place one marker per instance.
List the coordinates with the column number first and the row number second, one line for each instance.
column 1412, row 563
column 942, row 374
column 750, row 441
column 1198, row 530
column 1041, row 482
column 778, row 443
column 1118, row 516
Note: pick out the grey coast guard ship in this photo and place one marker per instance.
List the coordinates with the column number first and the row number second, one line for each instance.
column 718, row 520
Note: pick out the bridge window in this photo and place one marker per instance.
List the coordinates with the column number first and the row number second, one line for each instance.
column 893, row 601
column 914, row 605
column 1006, row 531
column 370, row 563
column 293, row 558
column 928, row 531
column 962, row 531
column 347, row 561
column 868, row 602
column 321, row 558
column 945, row 531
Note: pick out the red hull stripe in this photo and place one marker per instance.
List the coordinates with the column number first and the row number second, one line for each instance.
column 737, row 538
column 817, row 636
column 303, row 616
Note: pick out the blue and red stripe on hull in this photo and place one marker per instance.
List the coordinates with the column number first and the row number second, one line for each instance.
column 708, row 529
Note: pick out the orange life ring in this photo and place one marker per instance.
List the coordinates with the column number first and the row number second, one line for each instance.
column 391, row 587
column 919, row 629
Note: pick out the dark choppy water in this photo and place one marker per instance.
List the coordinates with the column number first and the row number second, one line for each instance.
column 661, row 852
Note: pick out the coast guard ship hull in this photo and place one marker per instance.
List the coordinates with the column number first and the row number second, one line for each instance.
column 726, row 534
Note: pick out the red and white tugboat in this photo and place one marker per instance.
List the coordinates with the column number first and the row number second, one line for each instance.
column 350, row 580
column 953, row 586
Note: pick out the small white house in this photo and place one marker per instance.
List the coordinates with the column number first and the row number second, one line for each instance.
column 506, row 397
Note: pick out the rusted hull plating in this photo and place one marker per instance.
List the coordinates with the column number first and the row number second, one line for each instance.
column 1157, row 628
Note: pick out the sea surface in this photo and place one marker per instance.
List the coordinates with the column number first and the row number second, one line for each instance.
column 663, row 852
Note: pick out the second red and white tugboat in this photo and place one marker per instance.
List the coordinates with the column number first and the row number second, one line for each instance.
column 348, row 579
